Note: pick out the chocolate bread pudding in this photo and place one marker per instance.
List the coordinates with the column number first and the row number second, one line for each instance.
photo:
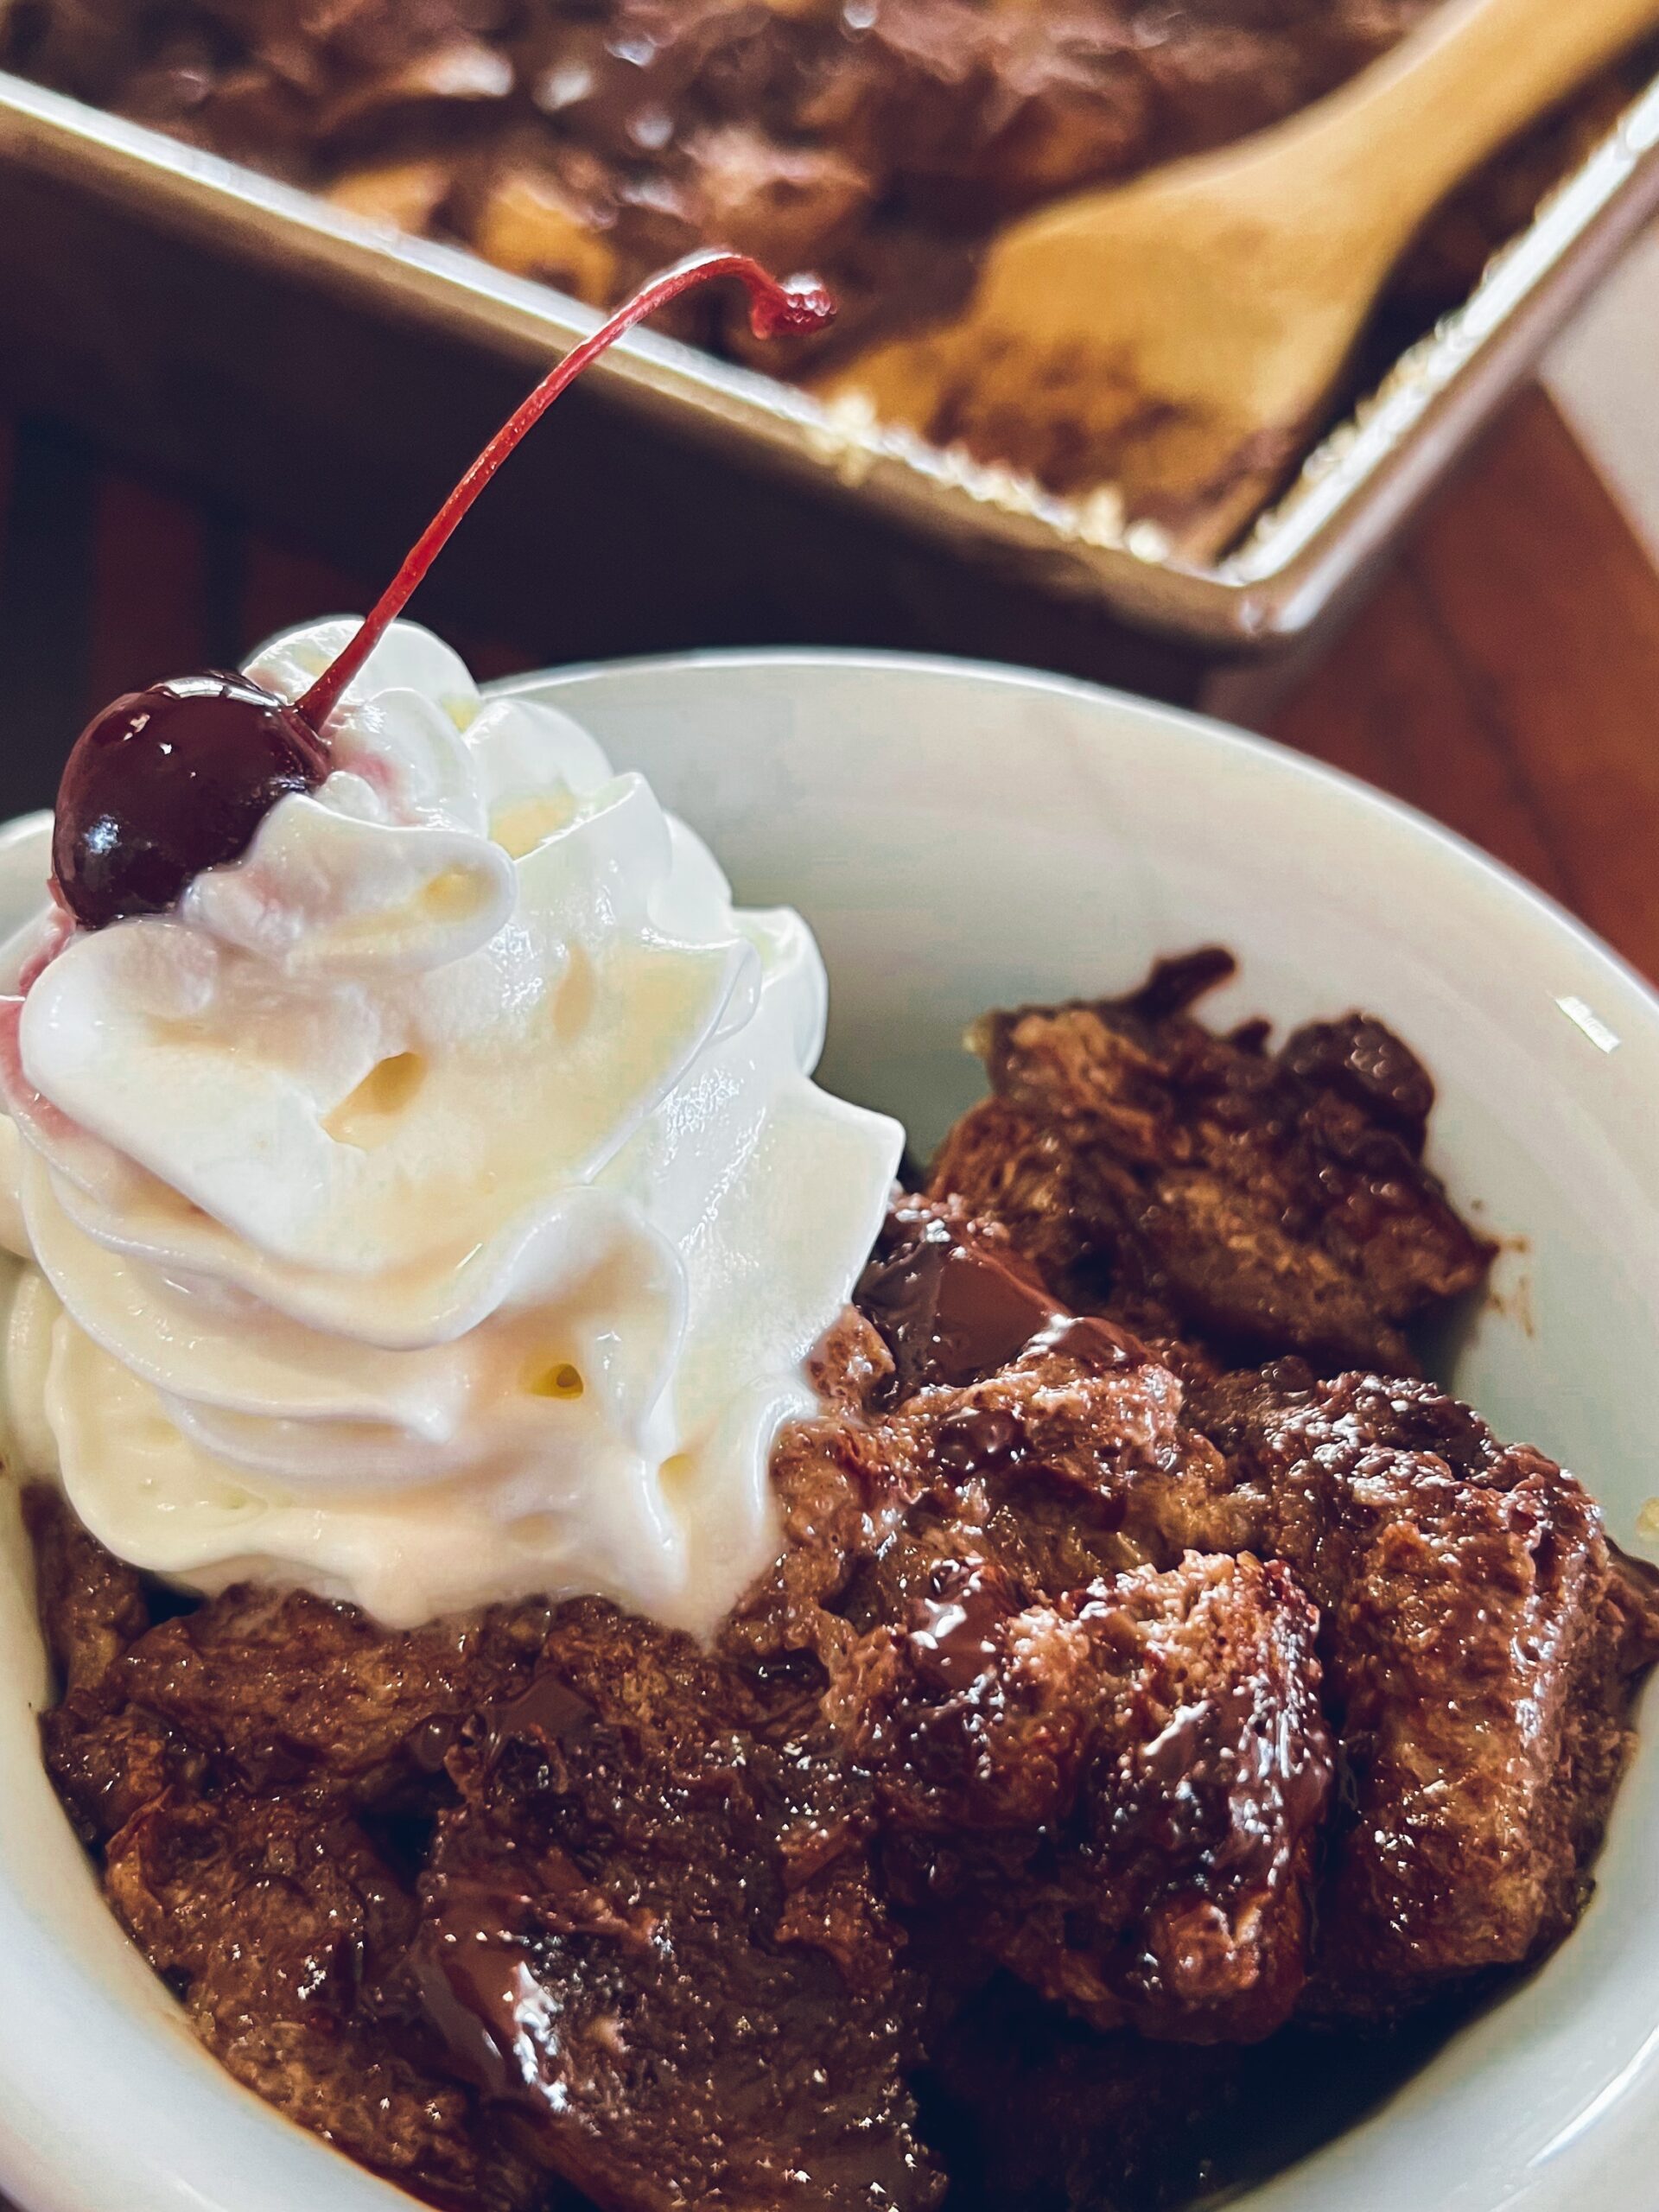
column 878, row 143
column 590, row 142
column 1164, row 1702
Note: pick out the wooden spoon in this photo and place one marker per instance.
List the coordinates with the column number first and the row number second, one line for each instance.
column 1179, row 336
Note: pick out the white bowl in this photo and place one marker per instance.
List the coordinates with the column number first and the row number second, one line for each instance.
column 964, row 836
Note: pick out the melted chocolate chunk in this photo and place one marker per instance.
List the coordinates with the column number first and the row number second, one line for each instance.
column 549, row 1711
column 978, row 1440
column 1118, row 1797
column 952, row 1308
column 953, row 1632
column 662, row 1947
column 474, row 1985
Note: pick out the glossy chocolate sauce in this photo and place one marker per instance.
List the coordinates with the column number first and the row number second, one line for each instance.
column 955, row 1632
column 473, row 1979
column 952, row 1308
column 978, row 1440
column 472, row 1983
column 549, row 1711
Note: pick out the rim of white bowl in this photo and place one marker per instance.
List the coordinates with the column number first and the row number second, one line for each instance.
column 696, row 660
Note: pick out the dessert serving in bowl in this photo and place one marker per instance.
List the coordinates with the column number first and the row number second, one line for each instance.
column 584, row 1689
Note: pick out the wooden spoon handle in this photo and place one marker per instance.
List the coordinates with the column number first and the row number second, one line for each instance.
column 1421, row 119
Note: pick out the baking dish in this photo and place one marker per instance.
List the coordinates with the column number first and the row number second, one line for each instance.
column 1301, row 560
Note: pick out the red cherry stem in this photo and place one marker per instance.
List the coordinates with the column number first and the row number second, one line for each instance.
column 775, row 310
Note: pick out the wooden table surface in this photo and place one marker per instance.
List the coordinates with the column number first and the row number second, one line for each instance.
column 1505, row 677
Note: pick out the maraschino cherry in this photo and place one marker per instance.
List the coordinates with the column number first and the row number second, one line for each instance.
column 177, row 778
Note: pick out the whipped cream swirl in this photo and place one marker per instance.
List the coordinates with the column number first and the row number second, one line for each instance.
column 434, row 1207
